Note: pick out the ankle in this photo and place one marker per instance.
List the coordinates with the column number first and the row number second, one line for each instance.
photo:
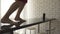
column 4, row 18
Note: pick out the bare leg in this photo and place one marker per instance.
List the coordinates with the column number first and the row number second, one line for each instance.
column 21, row 6
column 6, row 19
column 13, row 7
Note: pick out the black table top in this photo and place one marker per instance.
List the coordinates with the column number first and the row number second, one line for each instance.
column 34, row 20
column 29, row 22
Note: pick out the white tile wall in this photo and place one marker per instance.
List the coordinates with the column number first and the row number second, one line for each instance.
column 38, row 7
column 35, row 9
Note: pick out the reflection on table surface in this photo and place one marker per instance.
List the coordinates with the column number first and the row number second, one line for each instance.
column 33, row 20
column 29, row 21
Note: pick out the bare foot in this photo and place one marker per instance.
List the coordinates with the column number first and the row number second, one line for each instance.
column 9, row 22
column 3, row 20
column 20, row 19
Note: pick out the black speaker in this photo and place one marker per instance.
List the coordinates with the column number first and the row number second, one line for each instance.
column 44, row 16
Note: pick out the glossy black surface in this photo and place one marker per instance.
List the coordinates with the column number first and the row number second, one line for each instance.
column 29, row 22
column 34, row 20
